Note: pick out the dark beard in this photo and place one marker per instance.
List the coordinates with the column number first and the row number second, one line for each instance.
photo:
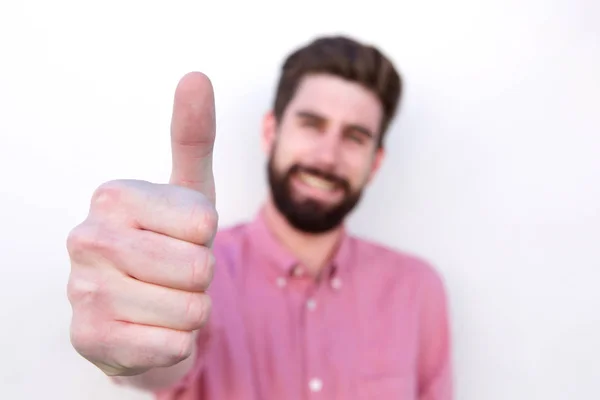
column 309, row 216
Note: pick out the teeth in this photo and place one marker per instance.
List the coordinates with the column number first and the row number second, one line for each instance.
column 316, row 182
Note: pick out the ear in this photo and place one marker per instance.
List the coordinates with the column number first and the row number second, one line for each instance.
column 377, row 161
column 269, row 131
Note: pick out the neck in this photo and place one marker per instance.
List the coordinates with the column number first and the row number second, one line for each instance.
column 313, row 250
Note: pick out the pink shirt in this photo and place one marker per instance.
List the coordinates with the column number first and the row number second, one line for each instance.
column 374, row 327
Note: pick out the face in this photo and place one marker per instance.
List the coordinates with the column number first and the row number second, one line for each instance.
column 323, row 152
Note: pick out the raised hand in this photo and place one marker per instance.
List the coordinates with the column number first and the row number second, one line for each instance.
column 141, row 261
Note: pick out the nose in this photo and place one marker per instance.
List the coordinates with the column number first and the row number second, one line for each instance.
column 327, row 151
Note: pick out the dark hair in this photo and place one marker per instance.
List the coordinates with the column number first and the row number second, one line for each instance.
column 349, row 59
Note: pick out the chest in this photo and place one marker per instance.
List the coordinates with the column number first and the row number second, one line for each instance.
column 335, row 337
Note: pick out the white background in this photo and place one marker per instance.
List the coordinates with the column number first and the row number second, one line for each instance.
column 493, row 169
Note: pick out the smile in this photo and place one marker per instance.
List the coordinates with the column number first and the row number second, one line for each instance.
column 316, row 182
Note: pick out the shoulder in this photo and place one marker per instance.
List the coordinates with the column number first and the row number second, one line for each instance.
column 231, row 235
column 374, row 260
column 230, row 241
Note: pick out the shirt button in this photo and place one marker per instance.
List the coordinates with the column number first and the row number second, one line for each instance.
column 281, row 282
column 315, row 385
column 311, row 304
column 336, row 283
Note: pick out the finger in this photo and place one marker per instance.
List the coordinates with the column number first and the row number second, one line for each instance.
column 177, row 212
column 193, row 134
column 130, row 347
column 142, row 303
column 161, row 260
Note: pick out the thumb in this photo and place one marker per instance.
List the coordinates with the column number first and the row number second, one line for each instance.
column 193, row 134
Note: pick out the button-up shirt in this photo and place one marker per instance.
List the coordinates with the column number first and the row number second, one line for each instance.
column 374, row 325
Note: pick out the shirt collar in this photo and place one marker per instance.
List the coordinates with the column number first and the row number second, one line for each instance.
column 264, row 241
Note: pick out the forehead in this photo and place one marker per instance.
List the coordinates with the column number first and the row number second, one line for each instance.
column 338, row 100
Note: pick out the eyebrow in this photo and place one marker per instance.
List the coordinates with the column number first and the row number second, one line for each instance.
column 358, row 128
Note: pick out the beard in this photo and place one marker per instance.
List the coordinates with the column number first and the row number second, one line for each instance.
column 309, row 215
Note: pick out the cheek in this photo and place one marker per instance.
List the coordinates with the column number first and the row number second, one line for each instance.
column 290, row 150
column 282, row 158
column 358, row 170
column 300, row 139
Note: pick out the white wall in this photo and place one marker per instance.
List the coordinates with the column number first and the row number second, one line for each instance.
column 493, row 170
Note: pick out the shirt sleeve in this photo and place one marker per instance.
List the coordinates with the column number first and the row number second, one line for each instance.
column 435, row 352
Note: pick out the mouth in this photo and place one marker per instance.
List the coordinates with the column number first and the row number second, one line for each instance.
column 316, row 187
column 316, row 182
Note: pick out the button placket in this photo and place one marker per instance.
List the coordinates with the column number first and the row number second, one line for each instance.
column 281, row 282
column 298, row 271
column 314, row 373
column 336, row 283
column 315, row 385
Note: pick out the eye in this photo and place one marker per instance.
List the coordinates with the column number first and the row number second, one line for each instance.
column 356, row 137
column 310, row 123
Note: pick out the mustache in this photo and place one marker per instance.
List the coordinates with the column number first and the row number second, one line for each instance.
column 335, row 179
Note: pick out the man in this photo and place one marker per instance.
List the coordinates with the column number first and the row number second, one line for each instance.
column 300, row 308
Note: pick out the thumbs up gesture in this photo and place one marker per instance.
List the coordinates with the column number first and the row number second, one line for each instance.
column 141, row 261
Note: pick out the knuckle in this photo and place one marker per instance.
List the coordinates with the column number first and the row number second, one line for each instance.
column 90, row 293
column 177, row 346
column 76, row 241
column 81, row 339
column 109, row 195
column 125, row 354
column 184, row 348
column 80, row 240
column 211, row 219
column 85, row 338
column 91, row 301
column 81, row 289
column 202, row 270
column 205, row 220
column 128, row 362
column 197, row 310
column 90, row 239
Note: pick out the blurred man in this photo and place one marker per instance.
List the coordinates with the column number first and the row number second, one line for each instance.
column 299, row 308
